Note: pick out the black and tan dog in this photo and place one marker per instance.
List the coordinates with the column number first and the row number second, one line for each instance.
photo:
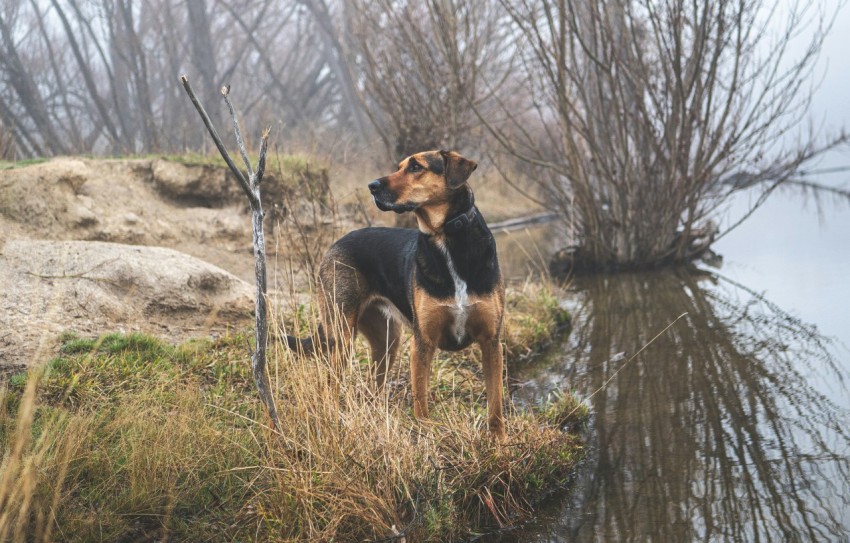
column 443, row 279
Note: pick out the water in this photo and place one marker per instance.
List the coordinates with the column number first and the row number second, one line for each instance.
column 734, row 424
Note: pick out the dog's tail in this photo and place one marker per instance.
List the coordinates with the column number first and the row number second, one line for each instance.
column 309, row 345
column 305, row 345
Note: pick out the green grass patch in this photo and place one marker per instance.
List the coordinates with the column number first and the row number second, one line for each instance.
column 125, row 437
column 293, row 162
column 287, row 176
column 533, row 318
column 12, row 164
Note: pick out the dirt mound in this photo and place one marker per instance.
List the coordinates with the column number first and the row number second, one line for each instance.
column 197, row 209
column 73, row 280
column 194, row 186
column 137, row 202
column 94, row 287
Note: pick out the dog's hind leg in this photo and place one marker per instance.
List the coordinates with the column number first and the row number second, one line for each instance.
column 342, row 291
column 303, row 345
column 383, row 332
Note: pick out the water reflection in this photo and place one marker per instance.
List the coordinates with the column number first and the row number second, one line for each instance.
column 525, row 252
column 730, row 426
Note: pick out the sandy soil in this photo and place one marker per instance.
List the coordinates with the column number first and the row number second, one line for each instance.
column 104, row 245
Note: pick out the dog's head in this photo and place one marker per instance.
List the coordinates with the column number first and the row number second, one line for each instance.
column 422, row 179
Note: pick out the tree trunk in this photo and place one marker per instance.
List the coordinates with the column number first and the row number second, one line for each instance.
column 203, row 59
column 28, row 93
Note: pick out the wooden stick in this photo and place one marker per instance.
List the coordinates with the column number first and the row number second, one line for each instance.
column 251, row 187
column 217, row 140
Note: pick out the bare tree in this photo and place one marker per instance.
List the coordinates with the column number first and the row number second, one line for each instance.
column 85, row 66
column 97, row 76
column 337, row 57
column 19, row 78
column 422, row 66
column 7, row 142
column 646, row 110
column 203, row 59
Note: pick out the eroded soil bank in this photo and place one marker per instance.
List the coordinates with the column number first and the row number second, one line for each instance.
column 82, row 244
column 147, row 245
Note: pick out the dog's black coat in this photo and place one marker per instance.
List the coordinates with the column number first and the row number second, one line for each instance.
column 473, row 253
column 388, row 258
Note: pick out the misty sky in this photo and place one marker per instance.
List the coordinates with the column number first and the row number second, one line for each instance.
column 831, row 104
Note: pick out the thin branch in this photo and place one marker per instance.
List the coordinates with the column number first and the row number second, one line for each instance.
column 261, row 163
column 225, row 91
column 251, row 186
column 217, row 140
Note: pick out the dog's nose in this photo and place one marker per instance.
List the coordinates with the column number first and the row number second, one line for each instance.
column 374, row 186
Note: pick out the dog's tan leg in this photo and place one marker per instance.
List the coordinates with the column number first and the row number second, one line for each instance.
column 491, row 351
column 384, row 337
column 421, row 354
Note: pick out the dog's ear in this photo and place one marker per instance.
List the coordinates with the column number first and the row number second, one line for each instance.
column 458, row 169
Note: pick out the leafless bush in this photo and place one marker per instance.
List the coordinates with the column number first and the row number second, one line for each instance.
column 311, row 224
column 423, row 67
column 650, row 114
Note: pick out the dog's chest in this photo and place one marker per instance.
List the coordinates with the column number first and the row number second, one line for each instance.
column 459, row 310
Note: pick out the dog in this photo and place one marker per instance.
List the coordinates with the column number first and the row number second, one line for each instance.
column 441, row 279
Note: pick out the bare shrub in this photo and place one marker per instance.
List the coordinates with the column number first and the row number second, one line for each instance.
column 642, row 118
column 308, row 201
column 423, row 66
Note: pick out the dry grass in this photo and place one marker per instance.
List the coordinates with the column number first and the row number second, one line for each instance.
column 127, row 438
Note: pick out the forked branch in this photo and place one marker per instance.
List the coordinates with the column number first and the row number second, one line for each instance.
column 251, row 186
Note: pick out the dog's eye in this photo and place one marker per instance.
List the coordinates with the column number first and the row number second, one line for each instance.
column 414, row 167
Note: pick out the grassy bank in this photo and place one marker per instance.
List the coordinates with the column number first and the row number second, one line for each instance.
column 306, row 172
column 126, row 438
column 11, row 164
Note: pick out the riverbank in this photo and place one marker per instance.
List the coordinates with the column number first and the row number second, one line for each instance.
column 83, row 239
column 139, row 439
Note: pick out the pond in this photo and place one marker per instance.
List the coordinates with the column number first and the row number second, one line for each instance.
column 734, row 423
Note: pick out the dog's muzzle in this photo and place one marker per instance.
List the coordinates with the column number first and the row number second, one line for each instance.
column 385, row 200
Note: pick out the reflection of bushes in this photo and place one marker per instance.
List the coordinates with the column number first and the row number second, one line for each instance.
column 717, row 417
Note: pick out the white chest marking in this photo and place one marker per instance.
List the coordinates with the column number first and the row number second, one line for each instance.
column 461, row 305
